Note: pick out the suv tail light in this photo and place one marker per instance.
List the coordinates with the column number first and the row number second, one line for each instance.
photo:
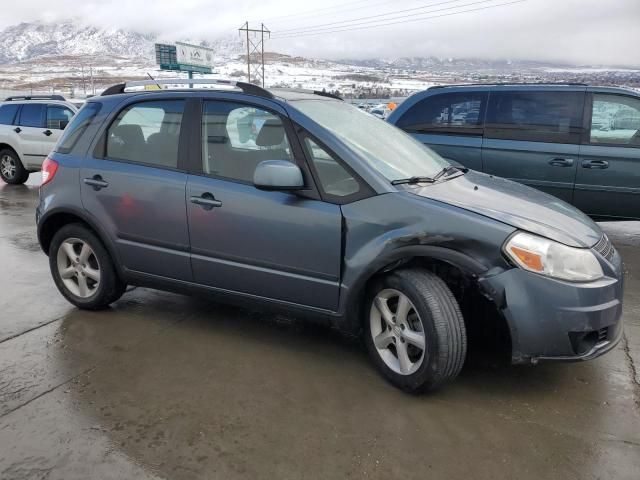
column 49, row 169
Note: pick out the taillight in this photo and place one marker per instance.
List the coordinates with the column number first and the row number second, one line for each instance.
column 49, row 169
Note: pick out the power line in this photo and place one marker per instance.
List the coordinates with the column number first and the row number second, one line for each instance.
column 351, row 27
column 306, row 13
column 386, row 14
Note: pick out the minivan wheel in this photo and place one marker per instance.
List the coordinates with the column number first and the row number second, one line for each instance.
column 11, row 169
column 414, row 331
column 82, row 268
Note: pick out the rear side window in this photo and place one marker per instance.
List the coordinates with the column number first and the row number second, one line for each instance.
column 58, row 117
column 615, row 120
column 237, row 137
column 543, row 116
column 8, row 114
column 454, row 113
column 32, row 115
column 77, row 127
column 147, row 132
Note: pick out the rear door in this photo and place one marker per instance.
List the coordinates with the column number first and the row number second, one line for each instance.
column 31, row 128
column 608, row 178
column 134, row 182
column 450, row 123
column 533, row 136
column 277, row 245
column 58, row 117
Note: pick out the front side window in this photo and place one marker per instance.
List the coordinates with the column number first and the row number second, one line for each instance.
column 542, row 116
column 457, row 113
column 334, row 178
column 58, row 117
column 8, row 114
column 147, row 132
column 32, row 115
column 615, row 120
column 237, row 137
column 384, row 147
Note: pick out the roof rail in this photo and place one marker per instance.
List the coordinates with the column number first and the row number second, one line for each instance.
column 310, row 92
column 34, row 97
column 245, row 87
column 497, row 84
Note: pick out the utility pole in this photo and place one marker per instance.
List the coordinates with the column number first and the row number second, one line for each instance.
column 255, row 46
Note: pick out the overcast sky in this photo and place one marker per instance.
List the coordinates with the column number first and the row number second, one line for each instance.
column 604, row 32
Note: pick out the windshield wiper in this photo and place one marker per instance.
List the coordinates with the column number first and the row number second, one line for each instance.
column 412, row 180
column 451, row 169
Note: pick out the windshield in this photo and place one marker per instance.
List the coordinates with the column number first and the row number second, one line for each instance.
column 388, row 149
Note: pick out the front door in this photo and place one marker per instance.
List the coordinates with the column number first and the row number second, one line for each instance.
column 58, row 117
column 268, row 244
column 608, row 178
column 134, row 186
column 533, row 137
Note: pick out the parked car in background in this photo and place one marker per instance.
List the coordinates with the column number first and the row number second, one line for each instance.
column 29, row 128
column 580, row 143
column 325, row 210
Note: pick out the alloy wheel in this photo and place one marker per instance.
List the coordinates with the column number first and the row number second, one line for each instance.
column 397, row 331
column 8, row 166
column 78, row 267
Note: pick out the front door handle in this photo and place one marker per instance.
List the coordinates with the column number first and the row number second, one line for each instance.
column 48, row 133
column 601, row 164
column 96, row 182
column 206, row 201
column 561, row 162
column 17, row 129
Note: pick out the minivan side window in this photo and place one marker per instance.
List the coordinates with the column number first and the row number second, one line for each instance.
column 541, row 116
column 32, row 115
column 458, row 113
column 147, row 132
column 615, row 120
column 58, row 117
column 237, row 137
column 8, row 114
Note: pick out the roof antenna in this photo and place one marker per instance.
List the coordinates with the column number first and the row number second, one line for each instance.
column 157, row 84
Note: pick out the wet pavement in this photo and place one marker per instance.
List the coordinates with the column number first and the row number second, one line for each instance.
column 167, row 386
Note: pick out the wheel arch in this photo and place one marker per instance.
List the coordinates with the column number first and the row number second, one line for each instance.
column 461, row 273
column 55, row 219
column 6, row 146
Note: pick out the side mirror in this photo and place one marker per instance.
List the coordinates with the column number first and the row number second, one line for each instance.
column 279, row 175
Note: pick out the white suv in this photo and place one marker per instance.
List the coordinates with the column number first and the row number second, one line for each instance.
column 29, row 128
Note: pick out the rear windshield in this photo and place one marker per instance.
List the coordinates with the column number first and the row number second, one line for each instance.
column 77, row 127
column 386, row 148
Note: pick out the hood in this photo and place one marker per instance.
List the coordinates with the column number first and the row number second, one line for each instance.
column 517, row 205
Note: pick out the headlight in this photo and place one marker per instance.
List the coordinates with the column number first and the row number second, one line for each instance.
column 553, row 259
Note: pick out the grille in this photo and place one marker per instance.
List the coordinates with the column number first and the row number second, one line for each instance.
column 602, row 334
column 605, row 248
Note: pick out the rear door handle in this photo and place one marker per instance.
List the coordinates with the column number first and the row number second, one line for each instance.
column 561, row 162
column 48, row 133
column 206, row 201
column 595, row 164
column 17, row 129
column 96, row 182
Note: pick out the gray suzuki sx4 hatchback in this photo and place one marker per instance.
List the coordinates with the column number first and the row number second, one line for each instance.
column 300, row 201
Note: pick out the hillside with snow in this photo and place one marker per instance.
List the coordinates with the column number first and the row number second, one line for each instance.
column 79, row 59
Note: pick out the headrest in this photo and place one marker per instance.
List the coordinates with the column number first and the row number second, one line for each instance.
column 271, row 134
column 128, row 133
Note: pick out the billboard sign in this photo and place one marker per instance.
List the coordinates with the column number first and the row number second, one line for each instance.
column 194, row 55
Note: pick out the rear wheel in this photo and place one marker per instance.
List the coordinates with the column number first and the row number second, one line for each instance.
column 414, row 331
column 83, row 269
column 11, row 169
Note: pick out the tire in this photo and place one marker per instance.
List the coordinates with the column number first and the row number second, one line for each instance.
column 432, row 313
column 11, row 169
column 70, row 274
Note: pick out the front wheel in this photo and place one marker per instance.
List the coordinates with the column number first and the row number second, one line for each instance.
column 83, row 269
column 11, row 169
column 414, row 330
